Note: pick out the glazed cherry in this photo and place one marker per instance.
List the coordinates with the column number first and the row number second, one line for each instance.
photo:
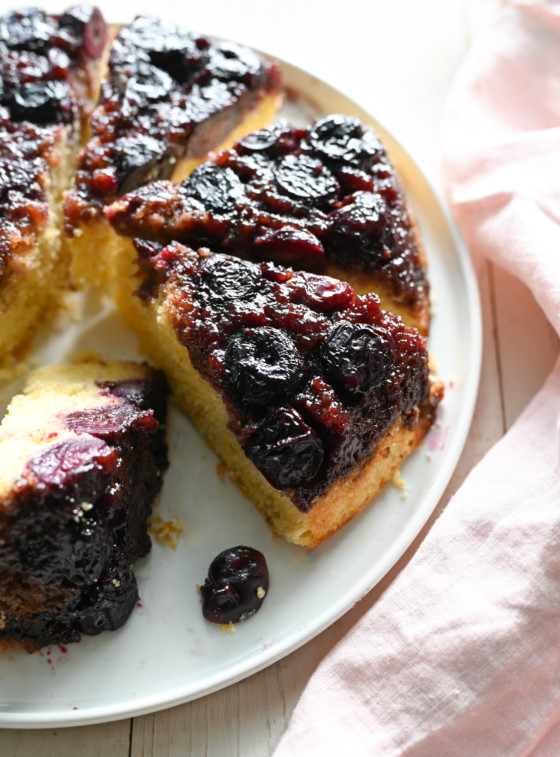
column 263, row 363
column 358, row 357
column 305, row 179
column 109, row 422
column 343, row 139
column 285, row 449
column 28, row 29
column 85, row 22
column 215, row 186
column 229, row 61
column 236, row 585
column 288, row 245
column 225, row 278
column 42, row 103
column 147, row 84
column 362, row 226
column 77, row 464
column 140, row 159
column 324, row 294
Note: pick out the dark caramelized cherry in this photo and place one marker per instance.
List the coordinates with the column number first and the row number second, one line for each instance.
column 325, row 295
column 148, row 84
column 109, row 422
column 140, row 159
column 362, row 224
column 236, row 585
column 229, row 61
column 343, row 139
column 285, row 449
column 290, row 245
column 263, row 363
column 357, row 356
column 215, row 186
column 42, row 103
column 87, row 24
column 77, row 464
column 27, row 29
column 306, row 179
column 225, row 278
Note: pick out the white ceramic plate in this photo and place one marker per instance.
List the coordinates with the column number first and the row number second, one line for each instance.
column 167, row 654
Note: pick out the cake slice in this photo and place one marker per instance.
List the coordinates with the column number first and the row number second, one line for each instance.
column 82, row 451
column 311, row 394
column 170, row 97
column 324, row 199
column 49, row 73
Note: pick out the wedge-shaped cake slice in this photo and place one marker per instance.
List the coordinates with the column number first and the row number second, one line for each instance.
column 311, row 394
column 49, row 74
column 82, row 451
column 170, row 97
column 324, row 199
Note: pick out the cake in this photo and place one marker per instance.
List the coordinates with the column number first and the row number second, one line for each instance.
column 311, row 394
column 49, row 71
column 325, row 199
column 82, row 451
column 170, row 97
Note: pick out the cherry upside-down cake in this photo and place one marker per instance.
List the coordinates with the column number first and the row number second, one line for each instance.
column 82, row 452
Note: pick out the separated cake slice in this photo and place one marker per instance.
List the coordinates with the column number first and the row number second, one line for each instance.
column 82, row 451
column 49, row 74
column 170, row 97
column 311, row 394
column 324, row 199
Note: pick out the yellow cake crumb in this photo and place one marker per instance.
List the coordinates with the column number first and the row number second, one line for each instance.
column 166, row 532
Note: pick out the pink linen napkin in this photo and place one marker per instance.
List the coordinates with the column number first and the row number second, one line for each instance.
column 461, row 654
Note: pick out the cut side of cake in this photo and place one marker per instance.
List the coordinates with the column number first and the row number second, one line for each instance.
column 312, row 395
column 49, row 73
column 324, row 199
column 170, row 97
column 82, row 451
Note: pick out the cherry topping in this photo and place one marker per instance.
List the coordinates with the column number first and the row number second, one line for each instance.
column 226, row 278
column 42, row 103
column 230, row 61
column 27, row 29
column 215, row 186
column 325, row 295
column 344, row 140
column 285, row 449
column 288, row 245
column 148, row 83
column 263, row 363
column 236, row 585
column 362, row 224
column 357, row 356
column 88, row 24
column 306, row 179
column 77, row 463
column 109, row 422
column 140, row 159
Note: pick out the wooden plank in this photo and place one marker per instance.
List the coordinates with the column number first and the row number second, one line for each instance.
column 109, row 740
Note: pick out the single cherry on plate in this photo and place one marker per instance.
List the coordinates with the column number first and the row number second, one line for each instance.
column 236, row 585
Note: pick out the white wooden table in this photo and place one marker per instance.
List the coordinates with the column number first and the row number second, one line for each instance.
column 397, row 59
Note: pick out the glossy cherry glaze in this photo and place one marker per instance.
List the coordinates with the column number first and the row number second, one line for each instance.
column 315, row 198
column 236, row 585
column 312, row 374
column 75, row 521
column 170, row 94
